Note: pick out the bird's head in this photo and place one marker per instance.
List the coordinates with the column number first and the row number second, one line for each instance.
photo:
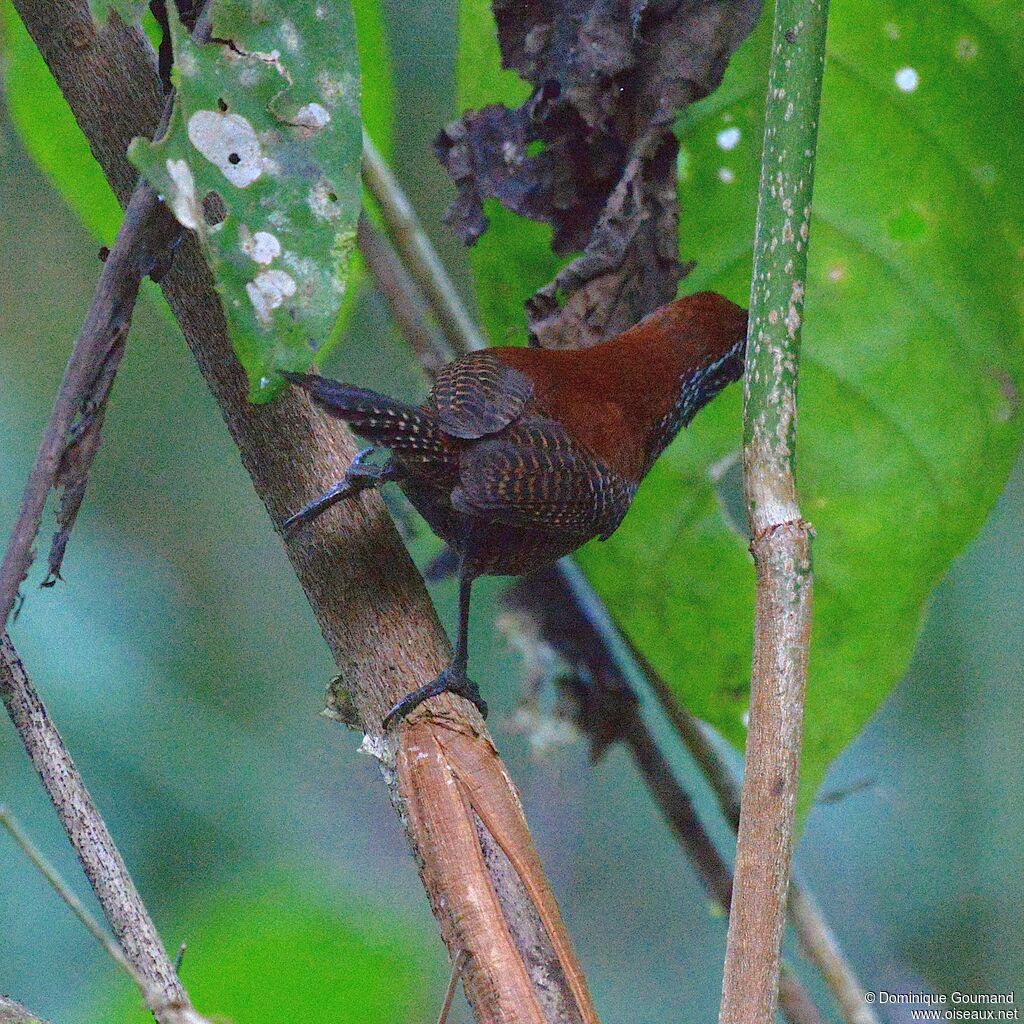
column 695, row 346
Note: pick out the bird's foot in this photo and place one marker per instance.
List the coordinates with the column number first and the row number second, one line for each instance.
column 449, row 681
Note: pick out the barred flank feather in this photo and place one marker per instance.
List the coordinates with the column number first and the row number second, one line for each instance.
column 411, row 432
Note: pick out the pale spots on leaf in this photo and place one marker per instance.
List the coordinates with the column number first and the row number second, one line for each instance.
column 268, row 291
column 336, row 89
column 907, row 79
column 186, row 64
column 728, row 138
column 262, row 247
column 966, row 48
column 312, row 118
column 984, row 174
column 229, row 142
column 726, row 175
column 289, row 36
column 183, row 200
column 323, row 200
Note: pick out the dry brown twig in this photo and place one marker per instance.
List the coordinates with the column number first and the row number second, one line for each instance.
column 141, row 245
column 171, row 1011
column 12, row 1012
column 444, row 775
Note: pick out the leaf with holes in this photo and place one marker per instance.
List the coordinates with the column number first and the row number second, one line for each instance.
column 909, row 408
column 53, row 139
column 261, row 160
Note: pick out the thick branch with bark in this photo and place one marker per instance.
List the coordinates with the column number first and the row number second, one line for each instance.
column 364, row 590
column 781, row 539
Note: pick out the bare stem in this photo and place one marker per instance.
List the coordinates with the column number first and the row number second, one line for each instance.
column 781, row 539
column 419, row 254
column 141, row 241
column 140, row 945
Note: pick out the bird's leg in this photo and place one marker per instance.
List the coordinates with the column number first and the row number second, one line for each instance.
column 454, row 678
column 358, row 477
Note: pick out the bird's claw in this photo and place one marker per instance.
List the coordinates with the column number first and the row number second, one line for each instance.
column 449, row 681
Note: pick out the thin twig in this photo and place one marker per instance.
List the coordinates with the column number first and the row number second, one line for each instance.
column 153, row 997
column 12, row 1012
column 632, row 669
column 821, row 946
column 418, row 253
column 453, row 984
column 63, row 890
column 100, row 858
column 408, row 310
column 141, row 244
column 781, row 539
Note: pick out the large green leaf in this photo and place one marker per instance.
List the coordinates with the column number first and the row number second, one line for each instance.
column 264, row 951
column 912, row 362
column 261, row 160
column 53, row 139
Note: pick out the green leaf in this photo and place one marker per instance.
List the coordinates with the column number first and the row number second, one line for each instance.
column 909, row 419
column 50, row 134
column 52, row 138
column 261, row 160
column 263, row 950
column 911, row 365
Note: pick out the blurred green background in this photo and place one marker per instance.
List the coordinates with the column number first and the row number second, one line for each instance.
column 186, row 672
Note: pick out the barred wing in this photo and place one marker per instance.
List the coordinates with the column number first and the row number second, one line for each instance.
column 479, row 395
column 535, row 475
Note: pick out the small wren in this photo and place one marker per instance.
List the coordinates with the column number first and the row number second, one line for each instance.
column 520, row 455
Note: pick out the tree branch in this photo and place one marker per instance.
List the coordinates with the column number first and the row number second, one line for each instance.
column 89, row 835
column 14, row 1013
column 444, row 775
column 142, row 242
column 418, row 253
column 781, row 539
column 172, row 1011
column 408, row 310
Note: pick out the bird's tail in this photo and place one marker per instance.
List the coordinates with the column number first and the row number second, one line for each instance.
column 406, row 429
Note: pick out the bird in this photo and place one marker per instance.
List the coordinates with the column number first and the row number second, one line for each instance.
column 520, row 455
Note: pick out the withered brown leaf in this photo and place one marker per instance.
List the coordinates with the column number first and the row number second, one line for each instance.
column 592, row 152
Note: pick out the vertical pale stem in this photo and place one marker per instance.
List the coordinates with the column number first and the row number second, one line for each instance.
column 781, row 539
